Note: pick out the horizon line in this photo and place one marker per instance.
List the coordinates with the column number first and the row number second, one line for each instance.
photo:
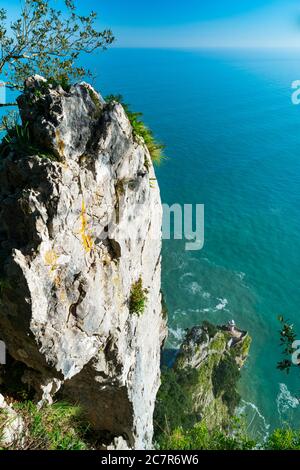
column 208, row 47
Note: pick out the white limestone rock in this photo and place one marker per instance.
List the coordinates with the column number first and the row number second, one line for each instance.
column 64, row 306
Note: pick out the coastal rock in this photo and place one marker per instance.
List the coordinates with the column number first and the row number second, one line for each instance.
column 61, row 121
column 210, row 359
column 80, row 224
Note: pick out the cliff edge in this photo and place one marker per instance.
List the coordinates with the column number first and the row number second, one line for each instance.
column 80, row 259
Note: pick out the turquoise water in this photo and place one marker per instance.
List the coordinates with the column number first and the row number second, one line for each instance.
column 233, row 138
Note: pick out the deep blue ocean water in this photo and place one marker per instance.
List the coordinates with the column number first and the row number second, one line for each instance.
column 232, row 137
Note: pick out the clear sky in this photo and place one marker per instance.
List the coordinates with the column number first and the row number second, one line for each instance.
column 196, row 23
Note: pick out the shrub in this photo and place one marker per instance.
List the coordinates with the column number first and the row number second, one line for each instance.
column 283, row 439
column 18, row 140
column 44, row 86
column 210, row 328
column 56, row 427
column 141, row 130
column 200, row 438
column 138, row 298
column 174, row 401
column 225, row 378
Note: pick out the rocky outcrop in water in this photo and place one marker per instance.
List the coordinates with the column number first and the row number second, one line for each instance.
column 80, row 226
column 214, row 356
column 202, row 384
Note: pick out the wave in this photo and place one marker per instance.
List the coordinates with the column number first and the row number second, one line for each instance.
column 176, row 336
column 183, row 276
column 256, row 422
column 206, row 295
column 285, row 402
column 194, row 288
column 241, row 275
column 222, row 304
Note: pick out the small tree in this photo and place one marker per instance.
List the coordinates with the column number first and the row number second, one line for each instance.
column 287, row 338
column 47, row 41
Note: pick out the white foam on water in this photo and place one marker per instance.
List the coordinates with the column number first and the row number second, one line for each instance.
column 194, row 288
column 256, row 422
column 222, row 304
column 206, row 295
column 241, row 275
column 177, row 335
column 285, row 401
column 183, row 276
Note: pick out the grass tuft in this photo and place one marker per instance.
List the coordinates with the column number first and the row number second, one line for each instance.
column 19, row 141
column 56, row 427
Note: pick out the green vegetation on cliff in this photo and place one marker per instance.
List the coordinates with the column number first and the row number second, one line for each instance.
column 198, row 395
column 174, row 404
column 62, row 426
column 199, row 437
column 225, row 376
column 19, row 141
column 202, row 384
column 138, row 298
column 140, row 130
column 56, row 427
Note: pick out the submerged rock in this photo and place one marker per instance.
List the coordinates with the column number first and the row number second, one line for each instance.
column 80, row 224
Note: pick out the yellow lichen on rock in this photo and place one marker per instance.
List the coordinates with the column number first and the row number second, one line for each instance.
column 84, row 232
column 50, row 259
column 60, row 143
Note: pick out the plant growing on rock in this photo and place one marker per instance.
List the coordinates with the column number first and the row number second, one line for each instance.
column 201, row 386
column 199, row 437
column 60, row 426
column 138, row 298
column 18, row 139
column 225, row 377
column 140, row 130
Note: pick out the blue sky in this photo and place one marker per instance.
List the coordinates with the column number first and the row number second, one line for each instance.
column 196, row 23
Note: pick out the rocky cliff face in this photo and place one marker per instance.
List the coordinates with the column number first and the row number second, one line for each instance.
column 80, row 224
